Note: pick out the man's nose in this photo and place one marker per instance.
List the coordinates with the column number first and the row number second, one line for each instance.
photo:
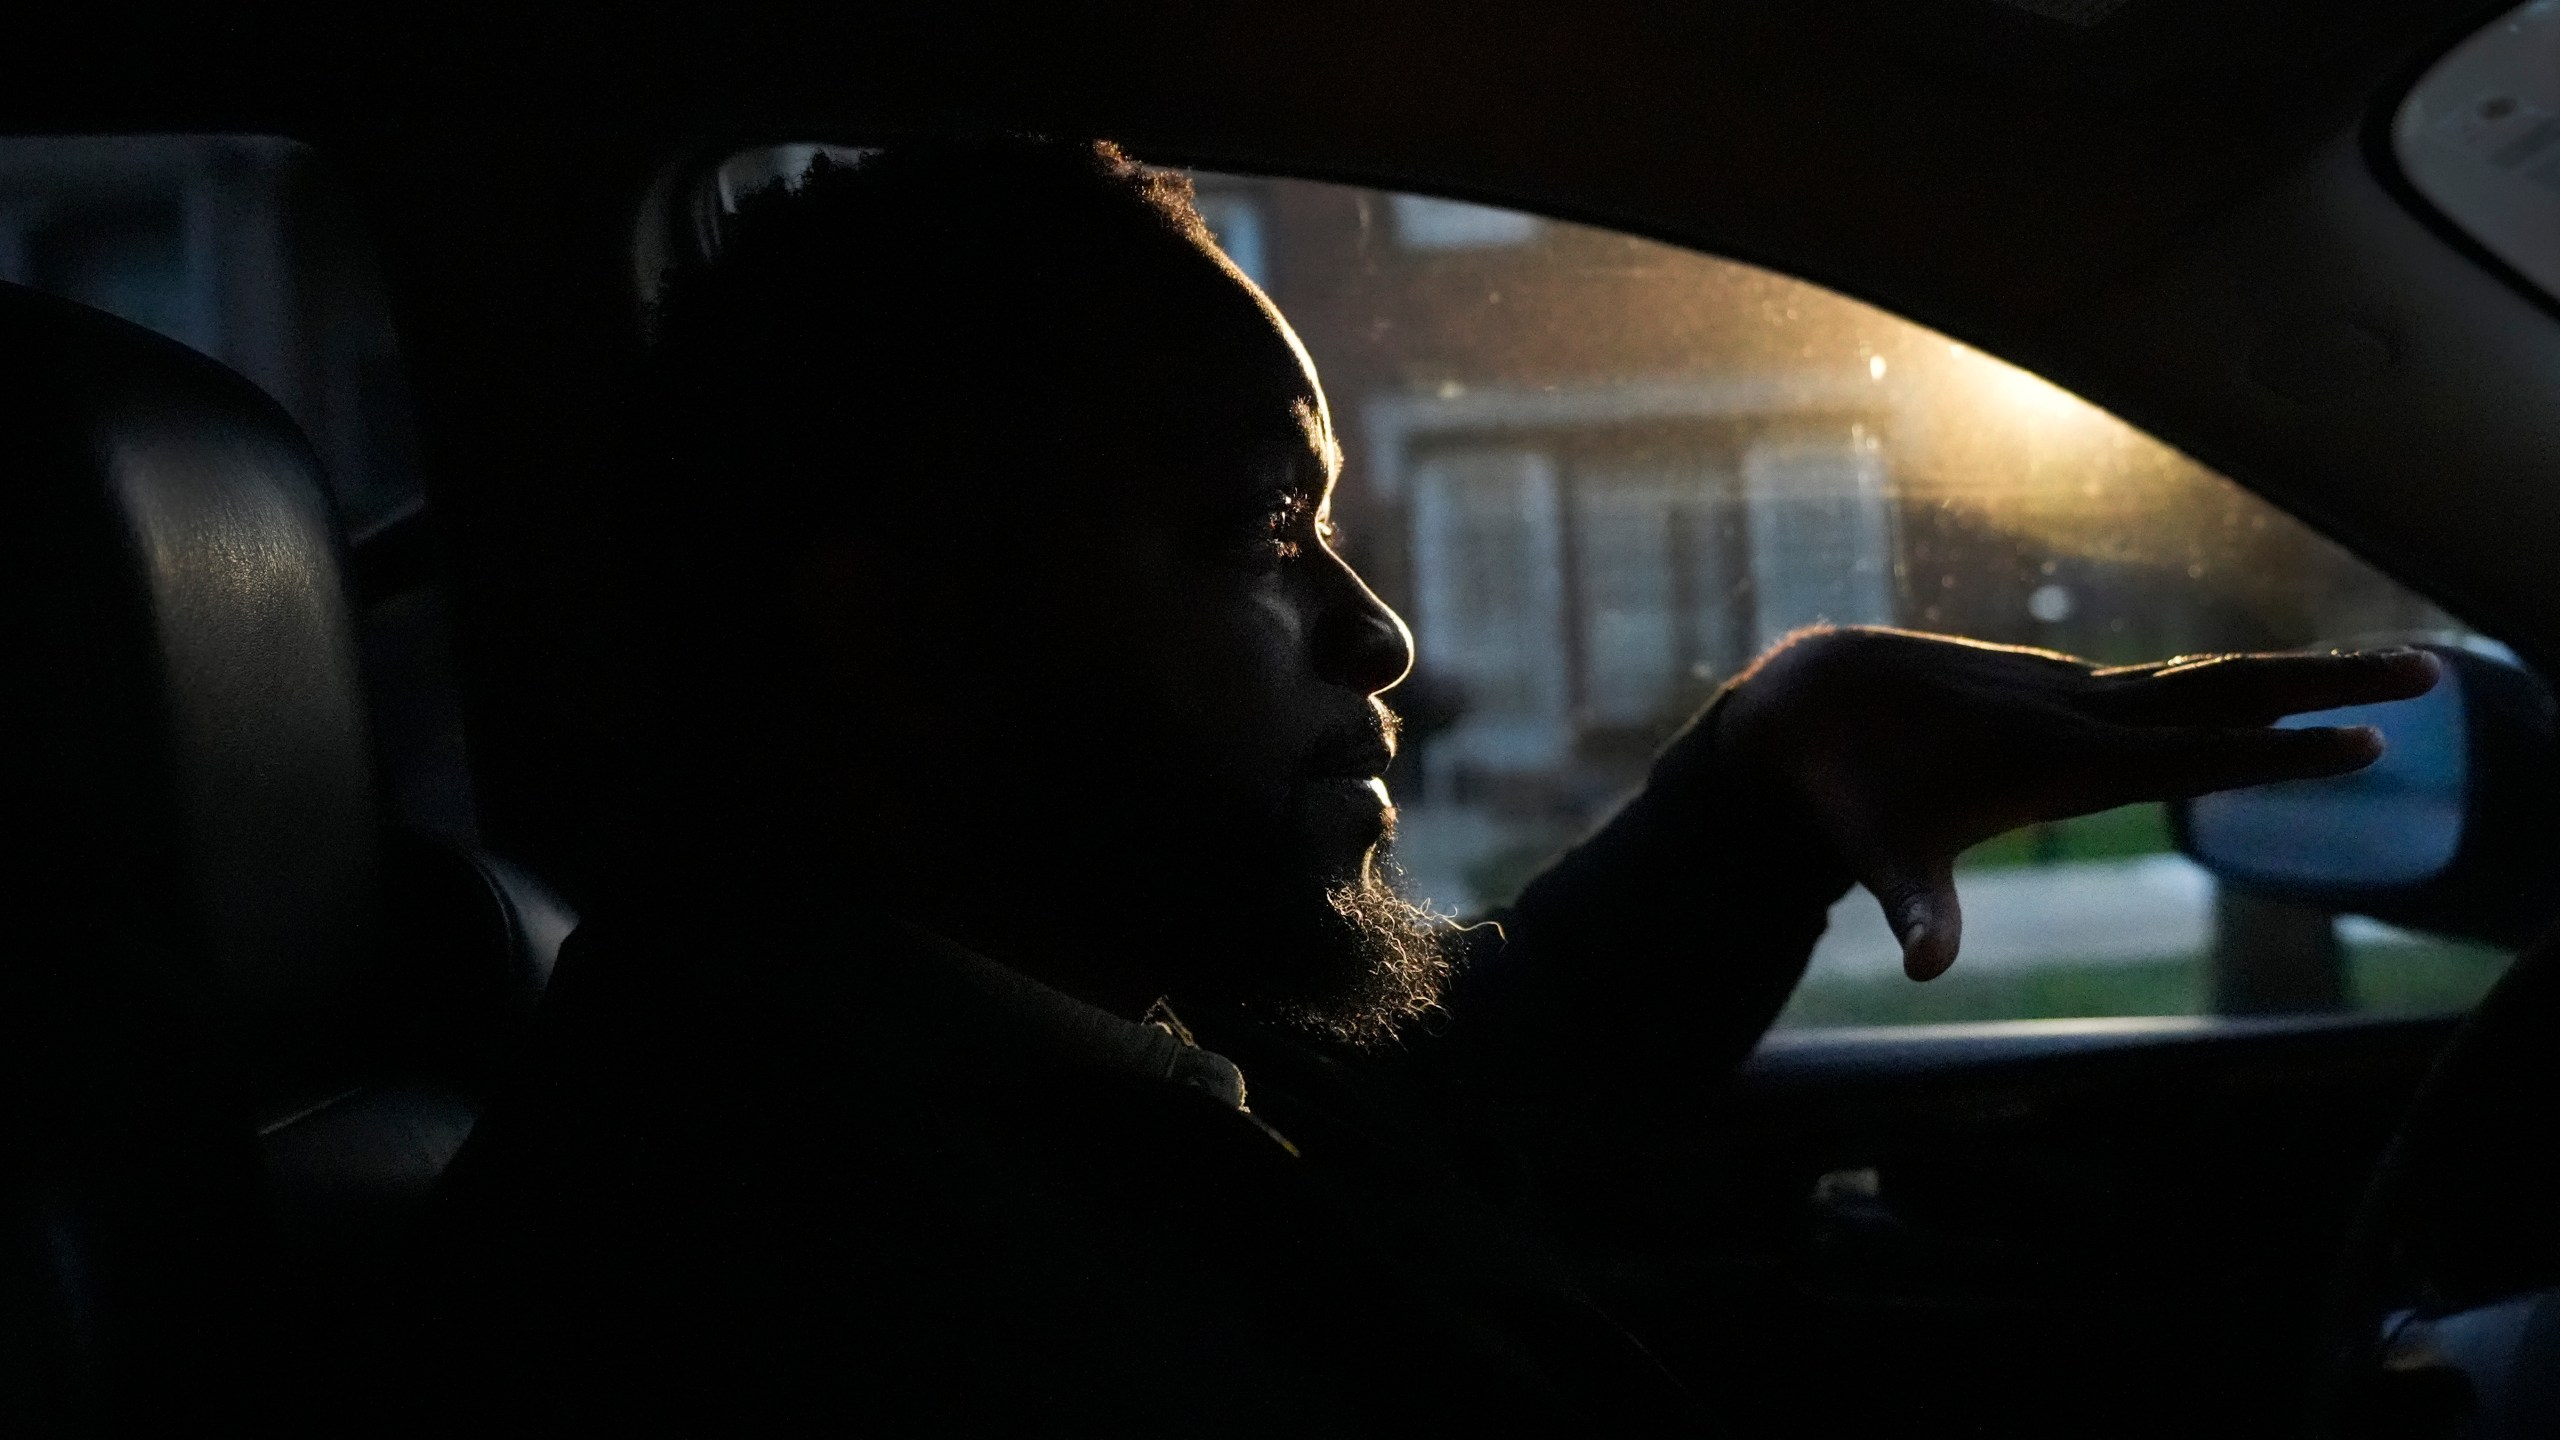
column 1361, row 643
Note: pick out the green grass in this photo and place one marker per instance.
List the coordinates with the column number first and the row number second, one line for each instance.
column 2108, row 835
column 2417, row 977
column 2426, row 977
column 2048, row 992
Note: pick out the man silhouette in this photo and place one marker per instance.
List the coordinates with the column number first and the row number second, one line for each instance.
column 1006, row 1017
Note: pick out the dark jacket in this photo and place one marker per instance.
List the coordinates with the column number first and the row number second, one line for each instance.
column 814, row 1167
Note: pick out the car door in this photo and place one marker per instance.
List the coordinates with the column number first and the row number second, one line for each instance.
column 2092, row 1181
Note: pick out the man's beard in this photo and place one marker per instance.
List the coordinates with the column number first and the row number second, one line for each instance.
column 1380, row 964
column 1350, row 961
column 1231, row 909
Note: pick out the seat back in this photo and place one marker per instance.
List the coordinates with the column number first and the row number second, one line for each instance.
column 470, row 940
column 201, row 944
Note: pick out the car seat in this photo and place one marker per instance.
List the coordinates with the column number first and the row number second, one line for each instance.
column 242, row 1029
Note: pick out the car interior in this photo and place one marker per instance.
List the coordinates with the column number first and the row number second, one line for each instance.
column 312, row 350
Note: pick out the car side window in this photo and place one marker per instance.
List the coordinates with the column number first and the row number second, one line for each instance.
column 1598, row 474
column 232, row 245
column 236, row 245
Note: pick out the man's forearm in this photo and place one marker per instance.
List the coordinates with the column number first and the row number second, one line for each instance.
column 1643, row 963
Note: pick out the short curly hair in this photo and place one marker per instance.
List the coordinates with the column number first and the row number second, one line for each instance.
column 936, row 313
column 974, row 334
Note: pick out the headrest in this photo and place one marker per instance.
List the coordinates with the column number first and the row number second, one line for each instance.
column 191, row 780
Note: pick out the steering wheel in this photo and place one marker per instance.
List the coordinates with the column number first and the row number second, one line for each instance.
column 2448, row 1304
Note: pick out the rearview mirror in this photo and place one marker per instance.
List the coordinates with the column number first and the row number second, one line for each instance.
column 2452, row 830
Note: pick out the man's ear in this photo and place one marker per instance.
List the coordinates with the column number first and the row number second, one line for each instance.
column 861, row 650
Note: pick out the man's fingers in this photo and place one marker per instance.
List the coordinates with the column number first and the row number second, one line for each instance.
column 2175, row 766
column 1920, row 904
column 2256, row 689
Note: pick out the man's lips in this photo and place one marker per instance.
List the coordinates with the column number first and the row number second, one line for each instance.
column 1348, row 776
column 1358, row 784
column 1366, row 787
column 1356, row 757
column 1343, row 778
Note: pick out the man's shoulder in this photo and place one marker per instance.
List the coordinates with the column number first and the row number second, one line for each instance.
column 673, row 1012
column 774, row 1046
column 828, row 1115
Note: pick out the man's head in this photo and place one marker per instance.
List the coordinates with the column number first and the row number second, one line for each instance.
column 998, row 516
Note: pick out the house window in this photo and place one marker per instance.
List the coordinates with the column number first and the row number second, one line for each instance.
column 1423, row 223
column 1236, row 220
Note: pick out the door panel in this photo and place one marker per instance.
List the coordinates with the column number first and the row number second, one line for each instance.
column 2034, row 1228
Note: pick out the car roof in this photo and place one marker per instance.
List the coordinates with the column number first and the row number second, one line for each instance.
column 2001, row 157
column 2173, row 206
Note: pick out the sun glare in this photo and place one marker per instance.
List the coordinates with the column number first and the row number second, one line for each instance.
column 2016, row 396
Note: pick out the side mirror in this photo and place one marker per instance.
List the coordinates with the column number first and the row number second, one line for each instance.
column 2456, row 829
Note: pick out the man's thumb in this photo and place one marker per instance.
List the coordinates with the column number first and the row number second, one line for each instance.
column 1920, row 904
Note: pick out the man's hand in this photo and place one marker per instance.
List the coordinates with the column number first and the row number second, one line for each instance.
column 1906, row 749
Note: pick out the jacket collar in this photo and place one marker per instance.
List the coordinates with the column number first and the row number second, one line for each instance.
column 1158, row 1046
